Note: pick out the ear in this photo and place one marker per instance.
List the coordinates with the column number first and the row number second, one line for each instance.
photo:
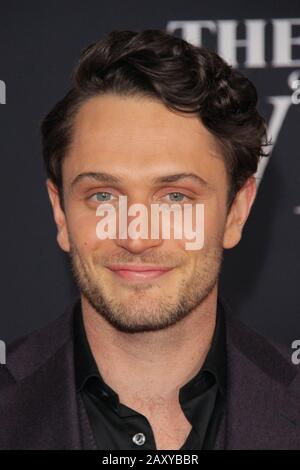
column 238, row 213
column 59, row 216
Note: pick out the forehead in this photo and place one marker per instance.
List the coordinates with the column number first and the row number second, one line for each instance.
column 140, row 135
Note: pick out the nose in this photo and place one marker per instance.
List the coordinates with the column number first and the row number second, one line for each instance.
column 137, row 246
column 134, row 230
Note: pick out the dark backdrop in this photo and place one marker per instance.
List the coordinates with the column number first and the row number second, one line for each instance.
column 39, row 44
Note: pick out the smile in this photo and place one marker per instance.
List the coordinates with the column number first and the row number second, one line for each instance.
column 138, row 272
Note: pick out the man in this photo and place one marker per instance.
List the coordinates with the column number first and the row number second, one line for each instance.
column 149, row 356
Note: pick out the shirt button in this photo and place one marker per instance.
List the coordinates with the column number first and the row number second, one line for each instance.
column 139, row 439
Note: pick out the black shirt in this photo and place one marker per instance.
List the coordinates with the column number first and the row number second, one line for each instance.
column 118, row 427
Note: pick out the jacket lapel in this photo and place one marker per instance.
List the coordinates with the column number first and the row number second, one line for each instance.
column 49, row 417
column 263, row 402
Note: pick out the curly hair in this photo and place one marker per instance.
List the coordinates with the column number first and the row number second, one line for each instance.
column 186, row 78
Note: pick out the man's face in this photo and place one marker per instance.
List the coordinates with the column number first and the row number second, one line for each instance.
column 136, row 142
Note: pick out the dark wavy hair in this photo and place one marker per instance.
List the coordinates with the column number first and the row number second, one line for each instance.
column 186, row 78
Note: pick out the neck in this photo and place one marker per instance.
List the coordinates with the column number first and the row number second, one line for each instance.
column 152, row 365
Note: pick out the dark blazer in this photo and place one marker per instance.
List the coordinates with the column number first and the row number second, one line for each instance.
column 40, row 409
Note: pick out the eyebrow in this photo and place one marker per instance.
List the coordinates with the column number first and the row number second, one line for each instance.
column 102, row 177
column 180, row 176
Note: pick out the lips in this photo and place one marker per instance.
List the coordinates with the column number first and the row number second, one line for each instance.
column 139, row 272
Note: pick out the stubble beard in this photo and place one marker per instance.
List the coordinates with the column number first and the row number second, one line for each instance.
column 143, row 313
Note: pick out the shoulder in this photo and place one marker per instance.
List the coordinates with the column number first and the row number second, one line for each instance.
column 27, row 353
column 263, row 403
column 264, row 354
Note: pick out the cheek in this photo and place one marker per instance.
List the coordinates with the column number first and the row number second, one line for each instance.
column 214, row 222
column 192, row 231
column 82, row 229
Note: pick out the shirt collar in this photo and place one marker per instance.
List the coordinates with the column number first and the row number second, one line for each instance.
column 215, row 361
column 85, row 364
column 86, row 367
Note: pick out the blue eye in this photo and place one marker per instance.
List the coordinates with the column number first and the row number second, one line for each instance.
column 102, row 196
column 178, row 196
